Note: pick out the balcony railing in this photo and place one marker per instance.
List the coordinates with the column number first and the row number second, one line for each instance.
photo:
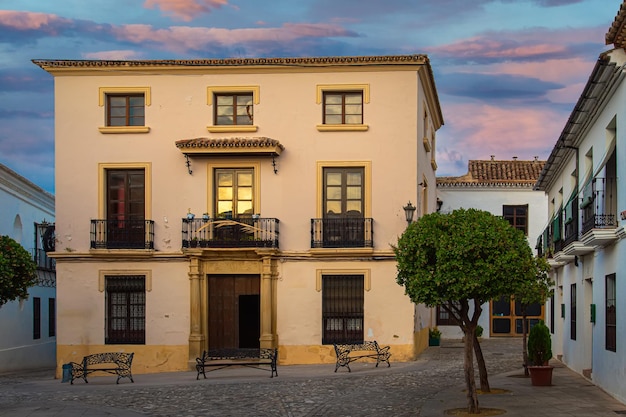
column 42, row 260
column 595, row 207
column 239, row 232
column 122, row 234
column 345, row 232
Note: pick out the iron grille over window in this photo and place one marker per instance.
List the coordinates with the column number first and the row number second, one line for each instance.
column 573, row 312
column 444, row 318
column 126, row 309
column 611, row 316
column 342, row 308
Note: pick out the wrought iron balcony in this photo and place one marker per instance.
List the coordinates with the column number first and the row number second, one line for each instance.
column 122, row 234
column 239, row 232
column 597, row 205
column 347, row 232
column 43, row 261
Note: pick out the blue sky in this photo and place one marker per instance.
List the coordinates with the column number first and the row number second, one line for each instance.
column 508, row 72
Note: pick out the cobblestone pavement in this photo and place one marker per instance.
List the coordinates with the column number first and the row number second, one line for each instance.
column 301, row 390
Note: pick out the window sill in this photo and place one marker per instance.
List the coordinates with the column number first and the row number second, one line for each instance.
column 124, row 129
column 342, row 128
column 220, row 129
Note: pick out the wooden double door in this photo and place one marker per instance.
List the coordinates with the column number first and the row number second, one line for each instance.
column 234, row 311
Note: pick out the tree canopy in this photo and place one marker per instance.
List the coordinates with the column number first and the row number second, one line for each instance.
column 465, row 256
column 17, row 271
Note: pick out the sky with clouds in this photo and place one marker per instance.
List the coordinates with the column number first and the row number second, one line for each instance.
column 508, row 72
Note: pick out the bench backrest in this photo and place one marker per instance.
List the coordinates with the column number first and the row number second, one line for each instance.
column 239, row 353
column 121, row 359
column 365, row 345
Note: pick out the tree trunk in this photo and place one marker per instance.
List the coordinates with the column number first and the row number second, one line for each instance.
column 525, row 348
column 468, row 367
column 482, row 368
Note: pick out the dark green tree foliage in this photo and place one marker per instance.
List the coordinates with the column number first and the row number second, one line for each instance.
column 17, row 271
column 531, row 292
column 467, row 256
column 539, row 344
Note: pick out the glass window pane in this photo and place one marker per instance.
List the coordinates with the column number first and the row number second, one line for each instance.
column 353, row 193
column 354, row 178
column 244, row 179
column 136, row 101
column 224, row 111
column 333, row 207
column 225, row 193
column 333, row 110
column 354, row 120
column 333, row 193
column 224, row 120
column 117, row 101
column 353, row 206
column 118, row 111
column 353, row 98
column 333, row 178
column 224, row 100
column 353, row 109
column 244, row 120
column 244, row 207
column 224, row 207
column 333, row 120
column 224, row 179
column 332, row 99
column 244, row 193
column 244, row 100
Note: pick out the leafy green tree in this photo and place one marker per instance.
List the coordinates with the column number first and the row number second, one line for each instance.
column 461, row 260
column 17, row 271
column 531, row 292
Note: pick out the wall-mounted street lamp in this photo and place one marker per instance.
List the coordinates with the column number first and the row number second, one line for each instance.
column 439, row 204
column 409, row 211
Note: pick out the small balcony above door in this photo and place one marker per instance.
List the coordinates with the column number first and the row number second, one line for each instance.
column 122, row 234
column 238, row 232
column 342, row 232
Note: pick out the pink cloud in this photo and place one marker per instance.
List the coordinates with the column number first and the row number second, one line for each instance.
column 47, row 23
column 185, row 10
column 113, row 55
column 477, row 132
column 181, row 38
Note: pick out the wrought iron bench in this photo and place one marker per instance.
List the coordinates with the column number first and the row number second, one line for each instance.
column 347, row 353
column 116, row 363
column 249, row 357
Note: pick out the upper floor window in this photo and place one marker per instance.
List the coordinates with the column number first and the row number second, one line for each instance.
column 125, row 110
column 611, row 316
column 234, row 109
column 343, row 108
column 517, row 216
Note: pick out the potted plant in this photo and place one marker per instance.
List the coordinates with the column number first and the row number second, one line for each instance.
column 539, row 354
column 434, row 336
column 206, row 217
column 479, row 331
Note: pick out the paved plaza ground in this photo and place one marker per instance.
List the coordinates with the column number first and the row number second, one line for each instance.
column 429, row 386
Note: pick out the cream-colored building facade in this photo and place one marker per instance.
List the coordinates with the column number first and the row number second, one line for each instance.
column 295, row 171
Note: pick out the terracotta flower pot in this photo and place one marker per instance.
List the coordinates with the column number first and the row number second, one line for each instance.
column 541, row 376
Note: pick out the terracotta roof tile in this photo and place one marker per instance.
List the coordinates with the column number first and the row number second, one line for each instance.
column 492, row 172
column 252, row 144
column 617, row 32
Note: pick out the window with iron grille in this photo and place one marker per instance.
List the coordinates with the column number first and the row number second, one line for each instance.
column 611, row 316
column 234, row 109
column 36, row 318
column 573, row 312
column 342, row 308
column 343, row 108
column 125, row 309
column 125, row 110
column 517, row 216
column 52, row 317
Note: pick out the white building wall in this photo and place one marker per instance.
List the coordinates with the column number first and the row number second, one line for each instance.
column 492, row 199
column 23, row 204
